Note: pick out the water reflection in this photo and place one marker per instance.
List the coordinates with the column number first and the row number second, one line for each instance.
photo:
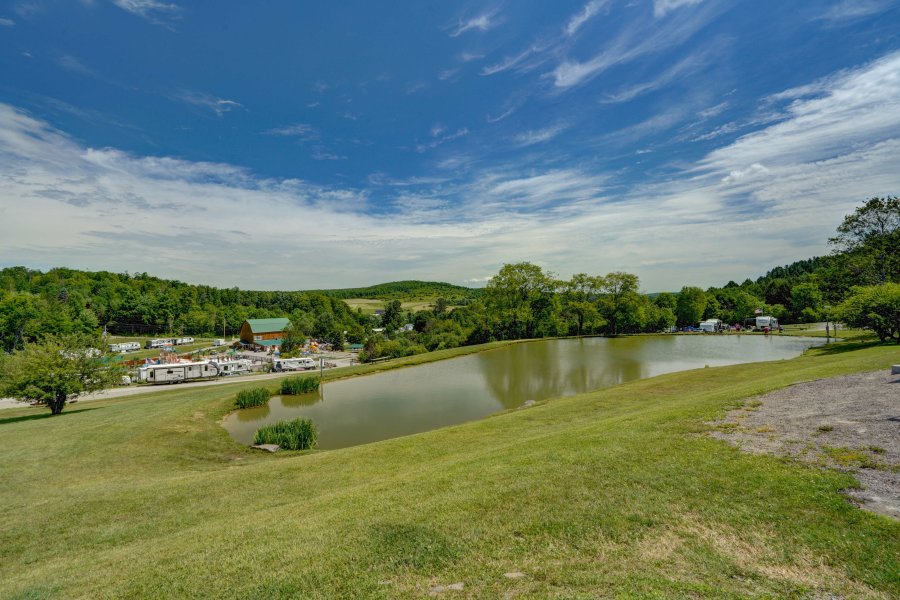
column 415, row 399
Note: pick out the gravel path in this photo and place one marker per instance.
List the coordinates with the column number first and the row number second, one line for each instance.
column 849, row 423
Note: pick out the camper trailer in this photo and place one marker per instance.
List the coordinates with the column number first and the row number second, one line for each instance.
column 711, row 326
column 233, row 367
column 763, row 322
column 178, row 372
column 295, row 364
column 124, row 347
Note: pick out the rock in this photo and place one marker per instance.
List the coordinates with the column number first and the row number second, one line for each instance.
column 267, row 447
column 439, row 589
column 527, row 404
column 514, row 575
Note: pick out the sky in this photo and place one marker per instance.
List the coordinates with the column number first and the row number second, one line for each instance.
column 304, row 145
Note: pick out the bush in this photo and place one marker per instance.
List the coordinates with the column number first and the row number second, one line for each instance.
column 874, row 307
column 299, row 385
column 252, row 397
column 299, row 434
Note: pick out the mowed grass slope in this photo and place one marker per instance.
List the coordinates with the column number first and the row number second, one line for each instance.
column 613, row 493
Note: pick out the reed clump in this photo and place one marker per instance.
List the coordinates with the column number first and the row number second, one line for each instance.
column 298, row 434
column 299, row 385
column 252, row 397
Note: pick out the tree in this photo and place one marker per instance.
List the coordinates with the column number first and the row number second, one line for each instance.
column 56, row 370
column 807, row 302
column 690, row 305
column 873, row 232
column 875, row 307
column 619, row 300
column 392, row 319
column 519, row 297
column 579, row 296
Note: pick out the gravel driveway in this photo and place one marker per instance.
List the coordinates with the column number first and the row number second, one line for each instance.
column 850, row 423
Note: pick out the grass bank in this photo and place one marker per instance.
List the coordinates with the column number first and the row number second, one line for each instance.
column 612, row 493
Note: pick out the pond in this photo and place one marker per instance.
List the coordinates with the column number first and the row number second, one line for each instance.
column 415, row 399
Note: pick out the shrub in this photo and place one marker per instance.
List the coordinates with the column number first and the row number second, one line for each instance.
column 875, row 307
column 252, row 397
column 299, row 434
column 299, row 385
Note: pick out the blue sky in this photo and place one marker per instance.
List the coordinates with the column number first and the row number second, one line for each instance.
column 291, row 145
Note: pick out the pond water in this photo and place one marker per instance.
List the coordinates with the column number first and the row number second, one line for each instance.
column 415, row 399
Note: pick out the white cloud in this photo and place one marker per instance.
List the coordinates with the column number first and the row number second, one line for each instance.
column 538, row 136
column 301, row 131
column 588, row 11
column 753, row 171
column 70, row 63
column 7, row 22
column 662, row 7
column 483, row 22
column 849, row 10
column 635, row 40
column 151, row 10
column 219, row 106
column 443, row 139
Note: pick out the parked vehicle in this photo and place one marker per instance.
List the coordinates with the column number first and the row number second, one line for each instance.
column 295, row 364
column 770, row 322
column 711, row 326
column 125, row 347
column 233, row 367
column 178, row 372
column 220, row 342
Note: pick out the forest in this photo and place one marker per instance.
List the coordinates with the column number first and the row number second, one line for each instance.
column 522, row 301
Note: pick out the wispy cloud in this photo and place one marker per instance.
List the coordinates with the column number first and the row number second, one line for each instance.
column 301, row 131
column 443, row 139
column 849, row 10
column 7, row 22
column 538, row 136
column 661, row 7
column 219, row 106
column 589, row 11
column 677, row 72
column 483, row 22
column 70, row 63
column 152, row 10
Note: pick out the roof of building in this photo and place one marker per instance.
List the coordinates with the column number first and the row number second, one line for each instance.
column 268, row 342
column 268, row 325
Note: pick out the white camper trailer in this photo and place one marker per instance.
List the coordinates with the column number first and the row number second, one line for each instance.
column 295, row 364
column 763, row 322
column 233, row 367
column 178, row 372
column 711, row 326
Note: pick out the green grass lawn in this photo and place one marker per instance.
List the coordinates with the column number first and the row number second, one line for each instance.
column 616, row 493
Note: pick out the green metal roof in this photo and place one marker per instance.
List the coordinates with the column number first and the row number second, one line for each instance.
column 268, row 325
column 269, row 342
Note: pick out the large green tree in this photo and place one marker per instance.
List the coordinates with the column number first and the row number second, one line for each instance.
column 619, row 302
column 522, row 301
column 875, row 307
column 56, row 370
column 690, row 305
column 871, row 238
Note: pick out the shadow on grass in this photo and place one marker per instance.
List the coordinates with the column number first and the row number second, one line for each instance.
column 842, row 347
column 45, row 415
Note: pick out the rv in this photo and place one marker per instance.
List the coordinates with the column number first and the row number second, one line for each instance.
column 711, row 326
column 295, row 364
column 178, row 372
column 219, row 342
column 184, row 340
column 159, row 343
column 763, row 322
column 233, row 367
column 124, row 347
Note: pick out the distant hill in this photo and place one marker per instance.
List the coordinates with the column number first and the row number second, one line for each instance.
column 406, row 291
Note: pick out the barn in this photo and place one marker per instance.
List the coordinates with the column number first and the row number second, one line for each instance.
column 264, row 332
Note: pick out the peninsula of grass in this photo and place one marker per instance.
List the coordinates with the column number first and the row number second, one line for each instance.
column 296, row 434
column 615, row 493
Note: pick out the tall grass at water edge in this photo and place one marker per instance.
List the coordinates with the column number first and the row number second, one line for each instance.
column 299, row 434
column 299, row 385
column 252, row 397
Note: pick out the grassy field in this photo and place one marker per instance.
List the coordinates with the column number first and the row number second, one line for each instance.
column 615, row 493
column 370, row 306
